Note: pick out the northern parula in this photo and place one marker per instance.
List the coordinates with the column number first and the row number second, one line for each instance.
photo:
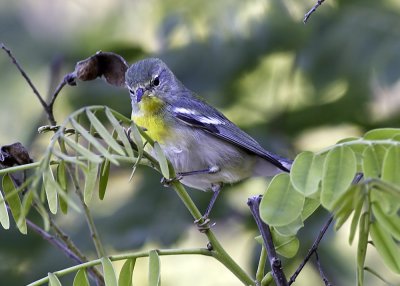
column 206, row 149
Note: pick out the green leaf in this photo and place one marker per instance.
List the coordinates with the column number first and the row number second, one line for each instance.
column 120, row 131
column 359, row 202
column 281, row 204
column 103, row 132
column 26, row 203
column 4, row 218
column 291, row 228
column 83, row 151
column 53, row 280
column 162, row 160
column 348, row 139
column 344, row 205
column 62, row 180
column 267, row 280
column 306, row 173
column 287, row 246
column 81, row 278
column 381, row 134
column 52, row 188
column 90, row 182
column 362, row 247
column 125, row 276
column 391, row 166
column 338, row 172
column 386, row 247
column 70, row 159
column 104, row 173
column 371, row 165
column 137, row 138
column 390, row 173
column 309, row 207
column 109, row 273
column 14, row 202
column 44, row 215
column 93, row 141
column 390, row 222
column 154, row 269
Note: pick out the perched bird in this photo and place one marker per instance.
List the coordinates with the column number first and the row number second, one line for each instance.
column 205, row 148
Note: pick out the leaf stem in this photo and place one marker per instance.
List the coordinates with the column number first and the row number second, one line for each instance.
column 161, row 252
column 19, row 168
column 274, row 261
column 218, row 251
column 261, row 264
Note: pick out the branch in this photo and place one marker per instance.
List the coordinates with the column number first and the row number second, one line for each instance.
column 25, row 76
column 274, row 261
column 311, row 251
column 63, row 247
column 312, row 10
column 160, row 252
column 218, row 251
column 321, row 272
column 68, row 79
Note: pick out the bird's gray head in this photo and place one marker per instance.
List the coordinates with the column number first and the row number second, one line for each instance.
column 150, row 77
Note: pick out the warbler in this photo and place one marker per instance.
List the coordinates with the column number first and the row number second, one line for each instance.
column 205, row 148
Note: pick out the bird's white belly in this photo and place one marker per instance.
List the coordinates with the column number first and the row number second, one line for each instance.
column 199, row 151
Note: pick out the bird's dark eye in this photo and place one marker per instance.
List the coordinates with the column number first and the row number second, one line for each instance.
column 156, row 81
column 132, row 92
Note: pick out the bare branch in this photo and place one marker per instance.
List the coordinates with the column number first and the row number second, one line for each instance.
column 312, row 10
column 321, row 272
column 25, row 76
column 311, row 251
column 274, row 261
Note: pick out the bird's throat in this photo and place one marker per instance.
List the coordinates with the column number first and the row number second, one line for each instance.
column 149, row 115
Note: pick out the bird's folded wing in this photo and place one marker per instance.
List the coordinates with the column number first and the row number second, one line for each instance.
column 201, row 115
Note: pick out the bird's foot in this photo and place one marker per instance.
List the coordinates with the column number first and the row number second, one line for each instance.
column 167, row 182
column 203, row 224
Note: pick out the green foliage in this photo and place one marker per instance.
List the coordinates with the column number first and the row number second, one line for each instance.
column 326, row 177
column 14, row 202
column 53, row 280
column 282, row 204
column 154, row 269
column 125, row 276
column 109, row 274
column 81, row 278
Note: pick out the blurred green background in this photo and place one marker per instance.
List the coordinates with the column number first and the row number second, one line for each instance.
column 292, row 86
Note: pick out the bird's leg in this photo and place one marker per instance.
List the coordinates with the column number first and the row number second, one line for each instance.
column 211, row 170
column 204, row 225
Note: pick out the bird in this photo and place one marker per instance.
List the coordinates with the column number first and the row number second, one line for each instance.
column 205, row 148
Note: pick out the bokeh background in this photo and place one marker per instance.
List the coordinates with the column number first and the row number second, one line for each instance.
column 292, row 86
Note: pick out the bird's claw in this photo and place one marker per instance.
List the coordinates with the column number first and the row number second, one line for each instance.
column 167, row 182
column 203, row 224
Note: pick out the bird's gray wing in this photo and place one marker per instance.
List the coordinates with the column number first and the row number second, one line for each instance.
column 198, row 114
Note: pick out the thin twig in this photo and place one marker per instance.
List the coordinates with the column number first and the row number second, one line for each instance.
column 89, row 219
column 311, row 251
column 25, row 76
column 72, row 247
column 312, row 10
column 48, row 108
column 96, row 275
column 321, row 272
column 54, row 241
column 275, row 262
column 68, row 79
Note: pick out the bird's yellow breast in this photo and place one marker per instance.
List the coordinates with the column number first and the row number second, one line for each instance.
column 150, row 116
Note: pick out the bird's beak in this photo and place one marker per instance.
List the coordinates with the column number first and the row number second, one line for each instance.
column 139, row 94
